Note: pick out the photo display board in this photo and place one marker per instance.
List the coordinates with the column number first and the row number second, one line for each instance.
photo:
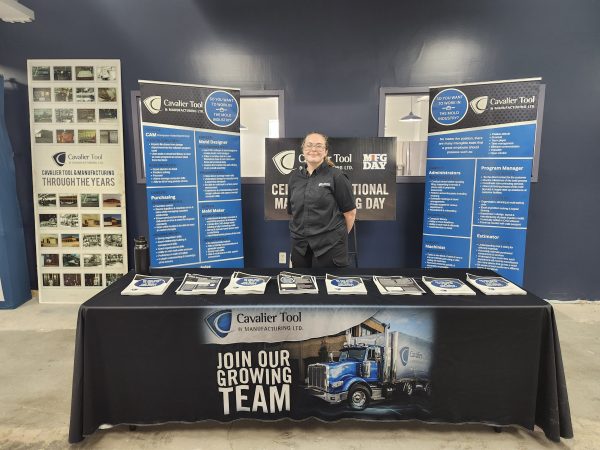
column 78, row 176
column 479, row 164
column 191, row 140
column 370, row 164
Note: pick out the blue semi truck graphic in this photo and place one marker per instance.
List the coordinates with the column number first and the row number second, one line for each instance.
column 373, row 367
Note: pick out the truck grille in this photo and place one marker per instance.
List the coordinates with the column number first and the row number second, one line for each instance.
column 317, row 376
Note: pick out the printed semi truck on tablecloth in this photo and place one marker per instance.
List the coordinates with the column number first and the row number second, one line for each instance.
column 373, row 367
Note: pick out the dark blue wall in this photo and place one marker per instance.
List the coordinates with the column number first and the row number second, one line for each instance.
column 331, row 57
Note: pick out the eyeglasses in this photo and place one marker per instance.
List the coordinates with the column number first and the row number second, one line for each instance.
column 310, row 145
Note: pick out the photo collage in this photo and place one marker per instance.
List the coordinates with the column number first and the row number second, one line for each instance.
column 81, row 231
column 75, row 104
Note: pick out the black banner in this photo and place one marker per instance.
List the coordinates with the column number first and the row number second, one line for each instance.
column 370, row 164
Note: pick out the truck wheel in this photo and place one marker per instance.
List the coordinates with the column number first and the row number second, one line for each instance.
column 358, row 398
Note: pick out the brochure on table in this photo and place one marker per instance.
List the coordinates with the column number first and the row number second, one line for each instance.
column 447, row 286
column 479, row 166
column 78, row 176
column 191, row 140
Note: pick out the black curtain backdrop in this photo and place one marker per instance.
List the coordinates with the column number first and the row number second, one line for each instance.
column 331, row 58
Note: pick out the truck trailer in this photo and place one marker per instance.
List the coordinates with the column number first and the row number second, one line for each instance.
column 373, row 367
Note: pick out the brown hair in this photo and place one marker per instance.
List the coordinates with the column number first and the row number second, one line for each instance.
column 324, row 136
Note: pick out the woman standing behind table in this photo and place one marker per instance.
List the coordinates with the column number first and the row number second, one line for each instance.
column 322, row 207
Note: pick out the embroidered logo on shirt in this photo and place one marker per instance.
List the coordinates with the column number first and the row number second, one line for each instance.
column 324, row 184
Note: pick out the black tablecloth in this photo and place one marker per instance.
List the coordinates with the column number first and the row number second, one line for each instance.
column 152, row 359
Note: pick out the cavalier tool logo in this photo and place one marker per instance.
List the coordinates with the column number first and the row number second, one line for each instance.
column 60, row 158
column 284, row 161
column 479, row 104
column 153, row 104
column 219, row 322
column 404, row 353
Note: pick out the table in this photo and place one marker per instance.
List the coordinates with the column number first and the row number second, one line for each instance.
column 454, row 359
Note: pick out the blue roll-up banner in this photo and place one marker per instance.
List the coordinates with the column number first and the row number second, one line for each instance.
column 14, row 274
column 191, row 140
column 479, row 164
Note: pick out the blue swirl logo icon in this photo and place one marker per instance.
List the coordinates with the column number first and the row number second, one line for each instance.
column 247, row 281
column 219, row 322
column 345, row 283
column 446, row 284
column 404, row 354
column 449, row 107
column 490, row 282
column 149, row 282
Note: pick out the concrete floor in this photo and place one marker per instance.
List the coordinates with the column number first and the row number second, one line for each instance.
column 36, row 362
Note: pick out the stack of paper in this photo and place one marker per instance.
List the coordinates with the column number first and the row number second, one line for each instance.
column 195, row 284
column 345, row 285
column 397, row 285
column 147, row 285
column 245, row 283
column 447, row 286
column 495, row 285
column 294, row 283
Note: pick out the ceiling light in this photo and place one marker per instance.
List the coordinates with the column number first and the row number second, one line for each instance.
column 411, row 117
column 12, row 11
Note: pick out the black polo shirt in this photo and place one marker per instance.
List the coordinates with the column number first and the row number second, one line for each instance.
column 317, row 203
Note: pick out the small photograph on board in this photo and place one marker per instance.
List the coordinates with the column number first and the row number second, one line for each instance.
column 113, row 240
column 109, row 137
column 112, row 277
column 50, row 279
column 65, row 136
column 64, row 115
column 42, row 115
column 84, row 73
column 93, row 279
column 40, row 73
column 48, row 221
column 71, row 260
column 67, row 200
column 63, row 73
column 106, row 73
column 86, row 136
column 50, row 260
column 69, row 240
column 47, row 200
column 69, row 220
column 86, row 115
column 90, row 220
column 72, row 279
column 92, row 260
column 114, row 261
column 108, row 94
column 111, row 200
column 85, row 94
column 42, row 95
column 90, row 200
column 63, row 94
column 112, row 220
column 107, row 115
column 48, row 240
column 92, row 240
column 44, row 136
